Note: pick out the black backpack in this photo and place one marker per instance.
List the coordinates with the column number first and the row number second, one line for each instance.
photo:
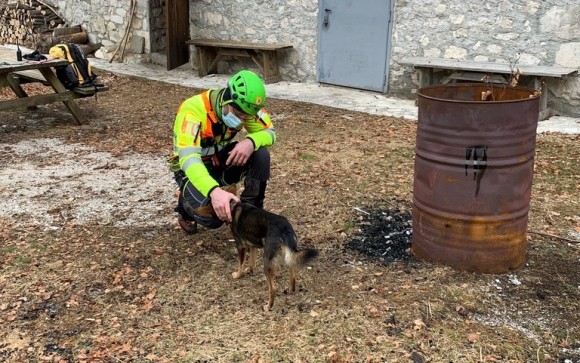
column 78, row 72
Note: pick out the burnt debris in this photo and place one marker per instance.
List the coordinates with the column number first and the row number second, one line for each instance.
column 384, row 235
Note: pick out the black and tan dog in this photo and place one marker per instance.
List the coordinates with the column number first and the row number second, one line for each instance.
column 255, row 228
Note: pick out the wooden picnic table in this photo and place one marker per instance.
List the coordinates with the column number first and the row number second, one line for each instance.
column 9, row 68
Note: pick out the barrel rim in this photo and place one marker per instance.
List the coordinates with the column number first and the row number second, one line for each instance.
column 420, row 94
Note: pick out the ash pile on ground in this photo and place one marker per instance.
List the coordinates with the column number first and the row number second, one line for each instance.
column 384, row 235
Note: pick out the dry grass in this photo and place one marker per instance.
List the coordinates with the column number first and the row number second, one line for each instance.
column 93, row 293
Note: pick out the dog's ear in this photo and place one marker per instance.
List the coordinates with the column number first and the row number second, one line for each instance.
column 205, row 211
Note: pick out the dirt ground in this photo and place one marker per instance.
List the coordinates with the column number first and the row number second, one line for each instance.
column 93, row 267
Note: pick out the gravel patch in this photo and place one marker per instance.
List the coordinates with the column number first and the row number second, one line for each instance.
column 50, row 183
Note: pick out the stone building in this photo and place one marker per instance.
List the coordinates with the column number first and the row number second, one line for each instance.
column 530, row 31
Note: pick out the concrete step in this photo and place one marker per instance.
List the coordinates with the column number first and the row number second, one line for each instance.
column 159, row 58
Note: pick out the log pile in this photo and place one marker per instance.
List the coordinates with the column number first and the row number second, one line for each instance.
column 37, row 25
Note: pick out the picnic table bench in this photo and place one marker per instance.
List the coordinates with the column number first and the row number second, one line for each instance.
column 488, row 72
column 32, row 76
column 14, row 73
column 265, row 55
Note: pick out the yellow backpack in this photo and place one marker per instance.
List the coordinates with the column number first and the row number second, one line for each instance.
column 78, row 72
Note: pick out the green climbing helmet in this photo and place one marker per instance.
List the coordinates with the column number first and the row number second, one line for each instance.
column 247, row 91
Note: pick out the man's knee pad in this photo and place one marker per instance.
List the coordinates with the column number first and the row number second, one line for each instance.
column 182, row 210
column 208, row 222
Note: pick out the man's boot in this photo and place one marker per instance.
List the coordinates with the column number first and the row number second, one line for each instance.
column 190, row 227
column 254, row 192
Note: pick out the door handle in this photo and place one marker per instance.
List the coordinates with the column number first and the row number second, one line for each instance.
column 326, row 16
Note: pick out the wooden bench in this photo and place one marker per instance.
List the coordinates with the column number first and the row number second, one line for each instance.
column 34, row 76
column 30, row 76
column 211, row 51
column 488, row 72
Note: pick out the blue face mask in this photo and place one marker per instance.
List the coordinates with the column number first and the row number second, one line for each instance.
column 232, row 121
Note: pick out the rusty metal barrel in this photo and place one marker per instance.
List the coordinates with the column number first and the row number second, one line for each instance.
column 473, row 175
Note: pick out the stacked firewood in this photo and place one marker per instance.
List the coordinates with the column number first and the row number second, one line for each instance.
column 37, row 25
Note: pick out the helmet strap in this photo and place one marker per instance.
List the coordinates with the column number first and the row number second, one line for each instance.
column 220, row 103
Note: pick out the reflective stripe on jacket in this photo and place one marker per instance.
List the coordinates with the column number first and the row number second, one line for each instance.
column 198, row 132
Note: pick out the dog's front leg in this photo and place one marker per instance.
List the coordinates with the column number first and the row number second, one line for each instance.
column 242, row 256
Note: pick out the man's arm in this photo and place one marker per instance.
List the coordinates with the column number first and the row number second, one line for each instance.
column 187, row 133
column 261, row 130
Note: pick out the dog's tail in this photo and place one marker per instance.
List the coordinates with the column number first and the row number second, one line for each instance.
column 299, row 258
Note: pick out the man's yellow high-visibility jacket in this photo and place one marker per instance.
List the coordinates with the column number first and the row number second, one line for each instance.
column 198, row 133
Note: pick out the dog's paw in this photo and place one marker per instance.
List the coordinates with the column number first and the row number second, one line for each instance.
column 249, row 270
column 266, row 307
column 236, row 275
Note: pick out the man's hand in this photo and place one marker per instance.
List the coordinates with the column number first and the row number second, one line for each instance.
column 220, row 201
column 241, row 153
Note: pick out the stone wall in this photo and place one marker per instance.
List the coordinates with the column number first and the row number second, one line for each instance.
column 532, row 31
column 518, row 31
column 105, row 21
column 538, row 32
column 158, row 31
column 291, row 22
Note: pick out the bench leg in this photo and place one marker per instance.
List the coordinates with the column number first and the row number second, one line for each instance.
column 15, row 86
column 268, row 64
column 544, row 110
column 271, row 70
column 208, row 58
column 425, row 77
column 256, row 58
column 59, row 88
column 212, row 68
column 262, row 63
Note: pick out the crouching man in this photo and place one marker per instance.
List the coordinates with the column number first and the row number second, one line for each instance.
column 205, row 158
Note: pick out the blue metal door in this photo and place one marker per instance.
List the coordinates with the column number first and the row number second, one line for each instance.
column 353, row 43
